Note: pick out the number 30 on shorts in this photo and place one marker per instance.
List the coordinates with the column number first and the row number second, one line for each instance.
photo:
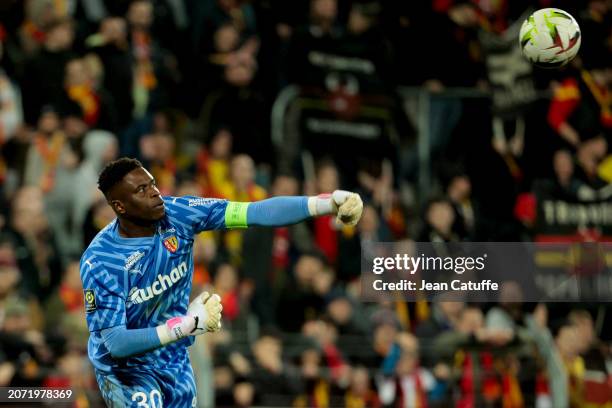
column 154, row 399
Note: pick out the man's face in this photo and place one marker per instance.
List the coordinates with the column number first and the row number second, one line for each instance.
column 137, row 198
column 140, row 14
column 76, row 73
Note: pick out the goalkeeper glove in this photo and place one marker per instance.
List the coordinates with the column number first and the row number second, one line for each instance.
column 346, row 205
column 203, row 315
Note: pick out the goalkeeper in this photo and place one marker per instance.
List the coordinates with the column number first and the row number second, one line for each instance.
column 137, row 274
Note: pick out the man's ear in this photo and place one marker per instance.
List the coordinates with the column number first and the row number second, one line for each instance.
column 117, row 206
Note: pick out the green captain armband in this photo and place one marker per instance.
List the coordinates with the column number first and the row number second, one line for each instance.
column 236, row 215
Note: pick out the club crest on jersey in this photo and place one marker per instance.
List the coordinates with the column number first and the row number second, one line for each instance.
column 171, row 243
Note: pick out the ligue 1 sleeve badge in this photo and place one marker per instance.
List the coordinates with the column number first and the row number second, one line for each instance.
column 171, row 243
column 90, row 300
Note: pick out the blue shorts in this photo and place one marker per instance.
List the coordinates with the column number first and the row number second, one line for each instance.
column 168, row 388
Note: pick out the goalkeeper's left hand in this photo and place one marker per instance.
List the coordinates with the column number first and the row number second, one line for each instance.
column 347, row 206
column 203, row 315
column 206, row 310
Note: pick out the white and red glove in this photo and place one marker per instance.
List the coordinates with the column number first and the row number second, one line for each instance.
column 203, row 315
column 346, row 205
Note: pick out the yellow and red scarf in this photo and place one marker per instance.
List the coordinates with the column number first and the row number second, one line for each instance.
column 50, row 149
column 86, row 97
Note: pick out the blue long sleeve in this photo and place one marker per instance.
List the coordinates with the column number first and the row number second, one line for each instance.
column 123, row 343
column 278, row 211
column 390, row 361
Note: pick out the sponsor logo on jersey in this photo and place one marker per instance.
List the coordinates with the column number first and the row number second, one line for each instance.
column 171, row 243
column 197, row 202
column 90, row 300
column 132, row 259
column 159, row 286
column 166, row 231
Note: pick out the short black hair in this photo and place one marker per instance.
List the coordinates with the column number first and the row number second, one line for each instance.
column 114, row 172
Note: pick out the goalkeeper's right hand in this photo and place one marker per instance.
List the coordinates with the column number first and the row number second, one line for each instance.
column 203, row 315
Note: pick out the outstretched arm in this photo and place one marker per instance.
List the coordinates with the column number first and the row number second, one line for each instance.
column 278, row 211
column 196, row 214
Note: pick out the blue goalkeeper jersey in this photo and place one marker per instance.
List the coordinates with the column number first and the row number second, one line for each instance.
column 142, row 282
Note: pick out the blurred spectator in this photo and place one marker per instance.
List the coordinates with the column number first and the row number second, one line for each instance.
column 508, row 314
column 225, row 284
column 39, row 15
column 271, row 375
column 112, row 47
column 99, row 148
column 557, row 377
column 153, row 68
column 11, row 118
column 360, row 392
column 23, row 346
column 325, row 334
column 322, row 33
column 347, row 317
column 211, row 15
column 577, row 112
column 158, row 149
column 370, row 228
column 39, row 257
column 597, row 388
column 385, row 199
column 48, row 152
column 94, row 105
column 594, row 18
column 300, row 302
column 457, row 29
column 365, row 40
column 569, row 345
column 459, row 191
column 50, row 167
column 43, row 75
column 236, row 104
column 408, row 383
column 317, row 387
column 230, row 48
column 74, row 372
column 241, row 186
column 213, row 162
column 9, row 270
column 563, row 167
column 98, row 215
column 445, row 316
column 383, row 341
column 10, row 103
column 244, row 394
column 439, row 221
column 66, row 300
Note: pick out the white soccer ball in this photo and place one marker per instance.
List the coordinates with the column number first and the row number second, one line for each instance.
column 550, row 38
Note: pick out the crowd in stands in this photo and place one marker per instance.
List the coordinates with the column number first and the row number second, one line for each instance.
column 189, row 86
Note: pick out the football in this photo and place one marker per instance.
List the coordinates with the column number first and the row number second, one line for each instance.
column 550, row 38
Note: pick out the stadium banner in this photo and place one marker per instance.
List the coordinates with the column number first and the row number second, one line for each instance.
column 487, row 271
column 562, row 213
column 509, row 72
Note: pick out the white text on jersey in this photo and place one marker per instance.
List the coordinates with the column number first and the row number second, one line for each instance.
column 161, row 284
